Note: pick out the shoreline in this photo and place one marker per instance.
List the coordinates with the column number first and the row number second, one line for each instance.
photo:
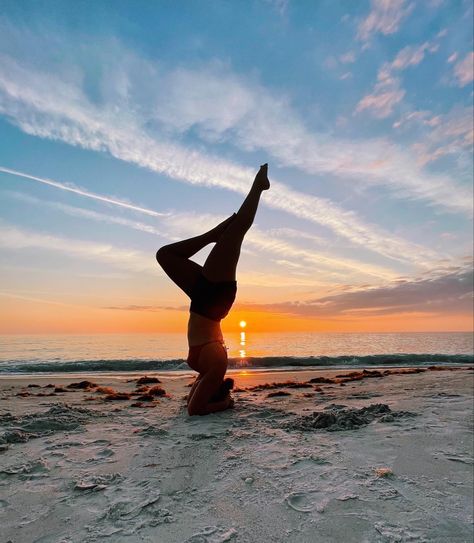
column 176, row 374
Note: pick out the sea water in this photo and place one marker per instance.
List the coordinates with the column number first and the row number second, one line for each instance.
column 167, row 352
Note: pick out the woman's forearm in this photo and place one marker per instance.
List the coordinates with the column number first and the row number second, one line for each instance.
column 213, row 407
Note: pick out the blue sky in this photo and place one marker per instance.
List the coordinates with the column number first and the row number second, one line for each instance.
column 157, row 114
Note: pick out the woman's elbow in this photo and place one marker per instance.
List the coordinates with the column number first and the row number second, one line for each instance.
column 193, row 411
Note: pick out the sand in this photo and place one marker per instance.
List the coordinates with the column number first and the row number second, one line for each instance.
column 362, row 458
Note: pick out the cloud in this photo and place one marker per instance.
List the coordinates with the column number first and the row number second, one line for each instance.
column 180, row 225
column 445, row 293
column 412, row 55
column 451, row 133
column 93, row 215
column 385, row 96
column 69, row 187
column 146, row 308
column 17, row 239
column 47, row 107
column 385, row 17
column 348, row 58
column 387, row 92
column 143, row 107
column 452, row 58
column 464, row 70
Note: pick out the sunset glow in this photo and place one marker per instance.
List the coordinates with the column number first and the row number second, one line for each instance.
column 132, row 138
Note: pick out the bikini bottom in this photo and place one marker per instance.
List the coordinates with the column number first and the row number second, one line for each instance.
column 195, row 353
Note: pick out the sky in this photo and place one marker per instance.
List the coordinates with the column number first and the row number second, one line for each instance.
column 127, row 125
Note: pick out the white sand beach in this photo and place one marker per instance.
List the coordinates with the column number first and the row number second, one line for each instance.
column 304, row 464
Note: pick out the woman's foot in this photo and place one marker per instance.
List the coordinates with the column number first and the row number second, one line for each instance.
column 261, row 179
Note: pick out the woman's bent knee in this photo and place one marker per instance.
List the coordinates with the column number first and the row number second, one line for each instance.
column 161, row 254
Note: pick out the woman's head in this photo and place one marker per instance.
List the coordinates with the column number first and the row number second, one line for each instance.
column 225, row 387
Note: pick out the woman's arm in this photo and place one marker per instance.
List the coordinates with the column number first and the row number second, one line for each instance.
column 214, row 407
column 199, row 403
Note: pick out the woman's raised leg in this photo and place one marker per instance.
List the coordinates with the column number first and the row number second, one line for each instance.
column 221, row 264
column 174, row 258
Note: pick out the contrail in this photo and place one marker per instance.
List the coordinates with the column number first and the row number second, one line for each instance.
column 85, row 193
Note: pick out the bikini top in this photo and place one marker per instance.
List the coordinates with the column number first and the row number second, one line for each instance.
column 212, row 299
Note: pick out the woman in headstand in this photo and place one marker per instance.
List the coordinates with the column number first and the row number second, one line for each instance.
column 212, row 289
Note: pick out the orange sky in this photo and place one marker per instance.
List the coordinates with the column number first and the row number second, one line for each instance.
column 32, row 317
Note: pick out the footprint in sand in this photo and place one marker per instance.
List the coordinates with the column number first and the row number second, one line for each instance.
column 305, row 502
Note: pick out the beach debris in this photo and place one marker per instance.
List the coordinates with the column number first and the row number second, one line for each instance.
column 105, row 390
column 59, row 389
column 383, row 472
column 248, row 480
column 145, row 398
column 321, row 380
column 299, row 501
column 49, row 385
column 24, row 394
column 399, row 371
column 142, row 389
column 83, row 384
column 157, row 391
column 117, row 396
column 33, row 386
column 340, row 417
column 284, row 384
column 278, row 393
column 147, row 380
column 141, row 404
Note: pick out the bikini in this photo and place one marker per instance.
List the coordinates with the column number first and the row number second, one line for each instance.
column 213, row 300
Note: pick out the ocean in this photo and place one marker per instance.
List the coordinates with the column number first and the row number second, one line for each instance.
column 167, row 352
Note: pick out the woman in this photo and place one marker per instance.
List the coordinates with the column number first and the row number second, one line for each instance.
column 212, row 289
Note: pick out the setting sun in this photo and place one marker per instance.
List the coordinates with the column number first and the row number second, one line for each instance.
column 242, row 324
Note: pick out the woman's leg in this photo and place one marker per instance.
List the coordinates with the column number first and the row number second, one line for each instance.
column 221, row 264
column 174, row 258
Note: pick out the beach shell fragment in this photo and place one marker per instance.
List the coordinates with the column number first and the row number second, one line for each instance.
column 383, row 472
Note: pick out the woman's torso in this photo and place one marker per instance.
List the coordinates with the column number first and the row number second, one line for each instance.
column 202, row 330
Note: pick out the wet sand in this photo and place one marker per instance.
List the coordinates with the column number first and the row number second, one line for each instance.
column 340, row 455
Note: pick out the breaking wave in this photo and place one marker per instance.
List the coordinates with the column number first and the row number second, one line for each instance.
column 269, row 362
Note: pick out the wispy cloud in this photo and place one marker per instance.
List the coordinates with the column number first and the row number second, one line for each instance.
column 180, row 225
column 334, row 267
column 132, row 260
column 221, row 106
column 69, row 187
column 448, row 292
column 445, row 134
column 385, row 17
column 464, row 70
column 387, row 92
column 91, row 215
column 27, row 99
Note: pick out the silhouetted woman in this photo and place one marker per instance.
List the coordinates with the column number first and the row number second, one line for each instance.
column 212, row 289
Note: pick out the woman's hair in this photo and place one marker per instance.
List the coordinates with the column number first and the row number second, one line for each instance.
column 225, row 387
